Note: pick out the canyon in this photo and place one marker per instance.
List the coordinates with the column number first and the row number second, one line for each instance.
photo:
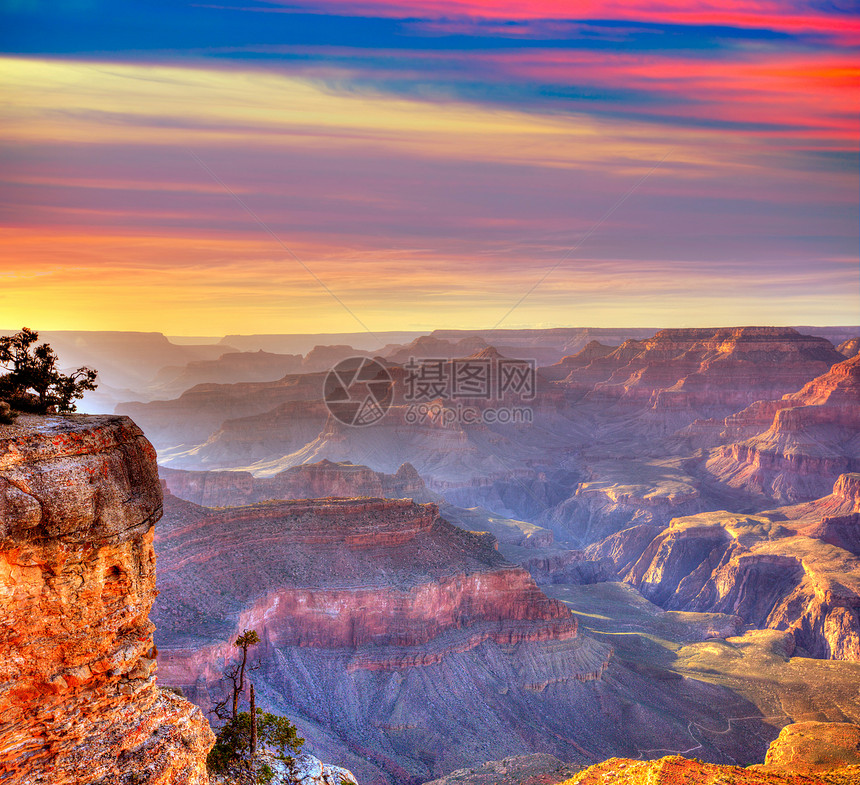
column 664, row 561
column 798, row 443
column 795, row 568
column 403, row 645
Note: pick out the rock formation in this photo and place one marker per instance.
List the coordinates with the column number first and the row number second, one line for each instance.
column 849, row 348
column 794, row 569
column 343, row 480
column 805, row 753
column 674, row 770
column 79, row 701
column 306, row 481
column 621, row 493
column 814, row 747
column 229, row 368
column 568, row 365
column 687, row 373
column 804, row 440
column 405, row 646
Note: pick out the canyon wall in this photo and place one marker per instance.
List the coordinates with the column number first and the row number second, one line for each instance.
column 307, row 481
column 793, row 569
column 802, row 441
column 404, row 646
column 679, row 374
column 79, row 701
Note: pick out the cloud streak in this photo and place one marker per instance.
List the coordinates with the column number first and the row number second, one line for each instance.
column 430, row 162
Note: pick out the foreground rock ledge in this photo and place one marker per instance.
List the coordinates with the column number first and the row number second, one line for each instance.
column 79, row 701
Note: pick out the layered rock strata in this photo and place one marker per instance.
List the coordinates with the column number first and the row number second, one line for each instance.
column 308, row 481
column 795, row 568
column 802, row 441
column 681, row 374
column 406, row 646
column 79, row 702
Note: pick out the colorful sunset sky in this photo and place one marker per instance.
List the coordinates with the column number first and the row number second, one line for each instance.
column 288, row 166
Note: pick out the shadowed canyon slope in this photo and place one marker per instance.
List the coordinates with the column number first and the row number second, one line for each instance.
column 78, row 696
column 413, row 644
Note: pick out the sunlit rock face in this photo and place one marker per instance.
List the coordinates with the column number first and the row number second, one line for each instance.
column 849, row 348
column 814, row 748
column 403, row 646
column 681, row 374
column 79, row 702
column 802, row 441
column 795, row 568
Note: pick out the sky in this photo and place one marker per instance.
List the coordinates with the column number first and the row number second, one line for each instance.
column 277, row 167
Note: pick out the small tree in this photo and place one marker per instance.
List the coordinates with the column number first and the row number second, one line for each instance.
column 33, row 382
column 244, row 732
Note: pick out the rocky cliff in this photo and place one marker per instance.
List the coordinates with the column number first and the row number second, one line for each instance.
column 404, row 646
column 805, row 753
column 79, row 701
column 803, row 441
column 793, row 569
column 849, row 348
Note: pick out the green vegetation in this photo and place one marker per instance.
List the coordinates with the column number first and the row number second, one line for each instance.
column 250, row 741
column 33, row 383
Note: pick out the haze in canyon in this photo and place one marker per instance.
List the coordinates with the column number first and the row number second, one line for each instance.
column 468, row 393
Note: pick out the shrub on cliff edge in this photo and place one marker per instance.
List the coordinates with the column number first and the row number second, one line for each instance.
column 32, row 382
column 250, row 743
column 232, row 754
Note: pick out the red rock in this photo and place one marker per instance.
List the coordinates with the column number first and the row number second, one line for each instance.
column 786, row 569
column 675, row 770
column 814, row 747
column 806, row 439
column 692, row 371
column 79, row 700
column 414, row 644
column 849, row 348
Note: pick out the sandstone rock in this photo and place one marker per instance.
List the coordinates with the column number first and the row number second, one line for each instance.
column 849, row 348
column 675, row 770
column 680, row 372
column 79, row 701
column 808, row 747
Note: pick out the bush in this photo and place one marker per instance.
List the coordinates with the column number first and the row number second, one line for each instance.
column 277, row 737
column 7, row 417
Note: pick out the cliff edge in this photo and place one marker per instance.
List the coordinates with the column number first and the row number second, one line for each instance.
column 79, row 702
